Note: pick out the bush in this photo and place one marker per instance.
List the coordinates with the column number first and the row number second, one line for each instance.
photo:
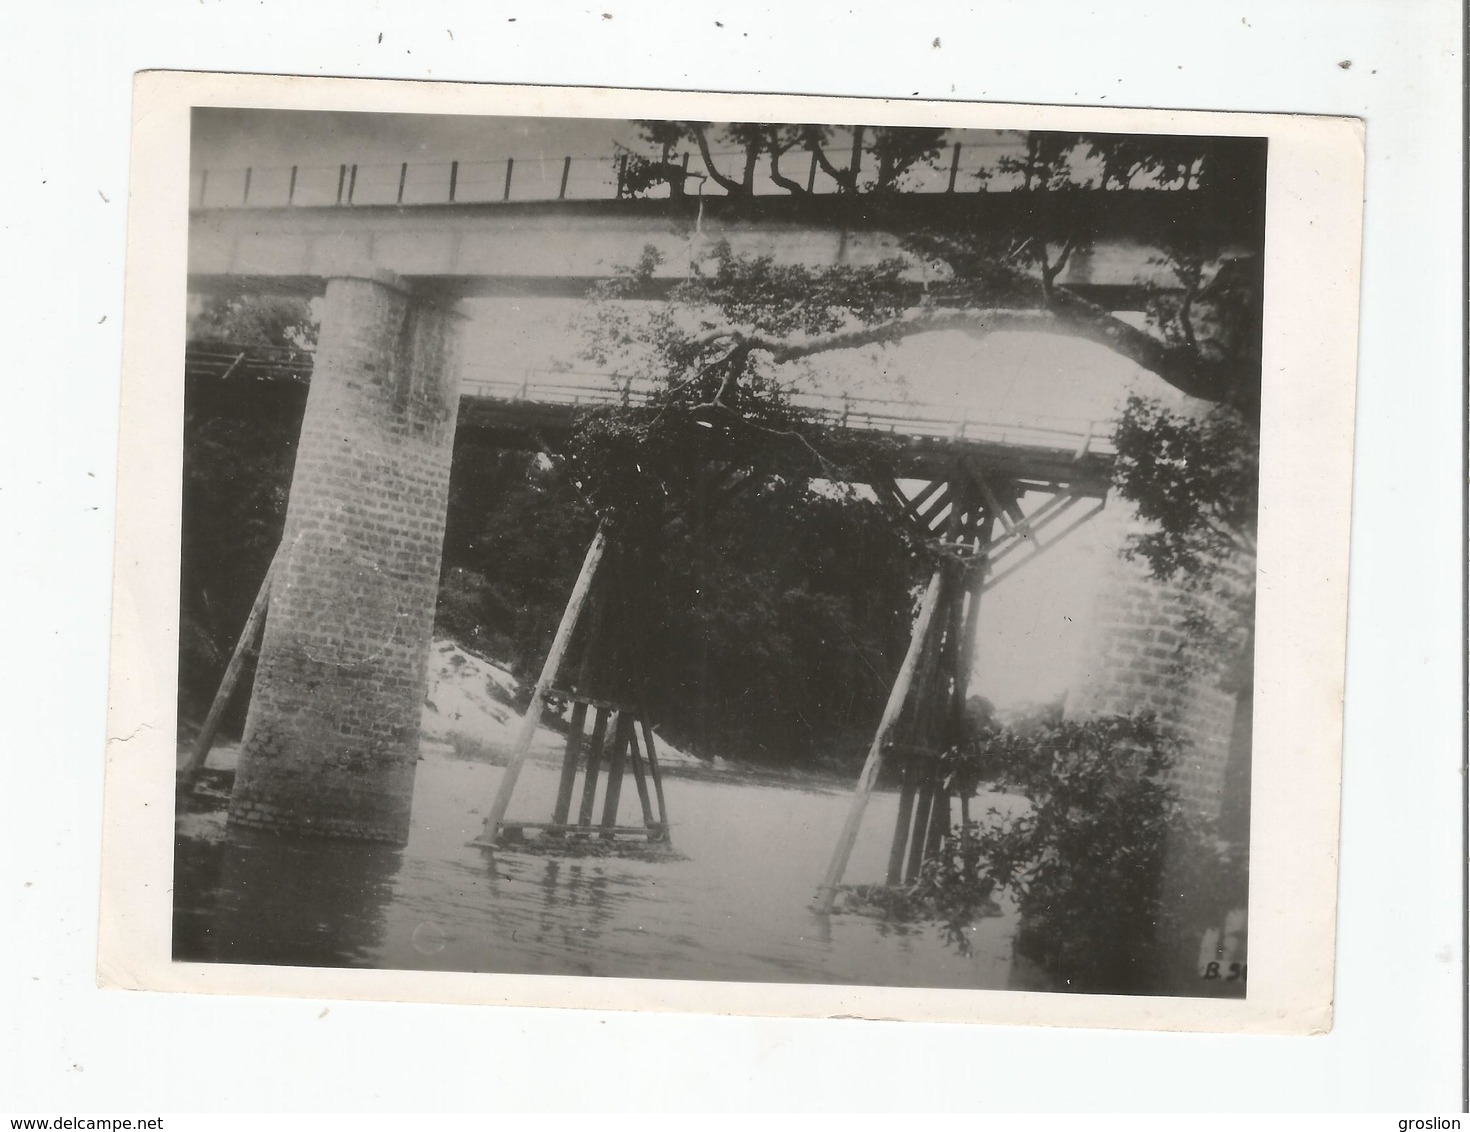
column 1086, row 864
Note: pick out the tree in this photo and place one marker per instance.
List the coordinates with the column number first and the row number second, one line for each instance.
column 1202, row 336
column 717, row 348
column 897, row 150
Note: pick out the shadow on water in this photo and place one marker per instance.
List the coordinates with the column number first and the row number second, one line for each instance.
column 257, row 897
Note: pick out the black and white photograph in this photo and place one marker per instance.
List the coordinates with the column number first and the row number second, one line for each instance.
column 779, row 552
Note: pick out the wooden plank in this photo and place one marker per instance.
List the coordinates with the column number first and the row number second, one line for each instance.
column 827, row 893
column 566, row 695
column 549, row 672
column 254, row 622
column 563, row 808
column 614, row 792
column 594, row 768
column 603, row 831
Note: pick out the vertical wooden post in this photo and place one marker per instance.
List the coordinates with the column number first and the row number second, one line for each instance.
column 827, row 893
column 566, row 171
column 341, row 181
column 639, row 779
column 402, row 180
column 453, row 179
column 954, row 166
column 253, row 623
column 594, row 768
column 654, row 772
column 549, row 670
column 857, row 156
column 901, row 826
column 922, row 807
column 245, row 194
column 811, row 173
column 510, row 166
column 291, row 189
column 939, row 818
column 352, row 184
column 568, row 781
column 614, row 793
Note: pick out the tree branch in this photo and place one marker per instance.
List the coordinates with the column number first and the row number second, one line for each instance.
column 1067, row 314
column 733, row 187
column 715, row 406
column 776, row 175
column 824, row 163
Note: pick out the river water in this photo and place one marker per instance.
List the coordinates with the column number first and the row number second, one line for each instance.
column 731, row 902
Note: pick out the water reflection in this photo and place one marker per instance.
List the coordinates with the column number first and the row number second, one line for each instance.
column 258, row 897
column 732, row 903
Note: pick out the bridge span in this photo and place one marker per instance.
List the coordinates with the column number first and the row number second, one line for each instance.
column 544, row 405
column 561, row 248
column 331, row 737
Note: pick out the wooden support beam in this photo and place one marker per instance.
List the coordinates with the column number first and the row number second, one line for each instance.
column 939, row 819
column 639, row 778
column 827, row 893
column 594, row 768
column 254, row 623
column 563, row 808
column 935, row 514
column 614, row 792
column 653, row 769
column 902, row 825
column 922, row 805
column 1068, row 529
column 1042, row 517
column 549, row 672
column 914, row 505
column 990, row 498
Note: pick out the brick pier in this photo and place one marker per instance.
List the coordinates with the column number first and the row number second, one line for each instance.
column 331, row 739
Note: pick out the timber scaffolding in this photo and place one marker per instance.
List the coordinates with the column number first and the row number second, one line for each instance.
column 978, row 524
column 597, row 625
column 982, row 526
column 597, row 621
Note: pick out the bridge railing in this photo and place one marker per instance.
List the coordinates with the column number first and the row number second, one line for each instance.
column 868, row 414
column 960, row 167
column 913, row 419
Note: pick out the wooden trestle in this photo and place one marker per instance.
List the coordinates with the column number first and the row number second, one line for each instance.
column 606, row 691
column 978, row 527
column 621, row 737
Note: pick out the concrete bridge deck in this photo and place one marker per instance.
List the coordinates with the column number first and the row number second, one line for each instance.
column 560, row 248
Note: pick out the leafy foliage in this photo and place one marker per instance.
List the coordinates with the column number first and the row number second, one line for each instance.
column 1086, row 864
column 1195, row 478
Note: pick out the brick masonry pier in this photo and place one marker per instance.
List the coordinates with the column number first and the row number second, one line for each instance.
column 1135, row 660
column 331, row 739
